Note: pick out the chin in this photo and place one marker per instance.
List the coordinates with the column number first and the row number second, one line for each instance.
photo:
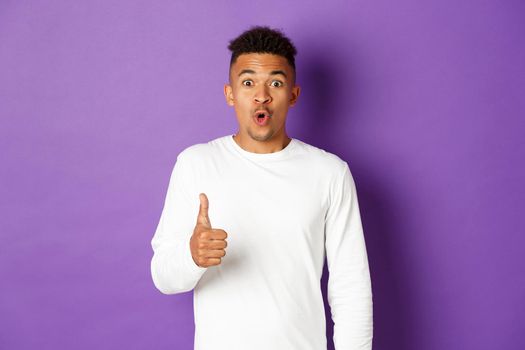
column 261, row 137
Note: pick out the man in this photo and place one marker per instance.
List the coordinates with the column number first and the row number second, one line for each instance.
column 276, row 205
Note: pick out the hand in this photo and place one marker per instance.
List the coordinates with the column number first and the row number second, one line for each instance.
column 207, row 244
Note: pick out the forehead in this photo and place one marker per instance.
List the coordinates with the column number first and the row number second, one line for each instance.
column 260, row 63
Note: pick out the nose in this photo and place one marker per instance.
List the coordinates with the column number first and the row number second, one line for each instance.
column 262, row 95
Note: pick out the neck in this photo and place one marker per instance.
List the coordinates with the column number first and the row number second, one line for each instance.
column 250, row 144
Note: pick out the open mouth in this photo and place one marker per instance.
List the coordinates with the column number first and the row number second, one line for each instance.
column 262, row 117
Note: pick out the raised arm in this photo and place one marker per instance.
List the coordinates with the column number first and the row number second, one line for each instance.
column 349, row 285
column 172, row 267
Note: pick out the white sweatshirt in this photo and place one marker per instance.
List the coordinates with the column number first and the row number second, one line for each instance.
column 283, row 212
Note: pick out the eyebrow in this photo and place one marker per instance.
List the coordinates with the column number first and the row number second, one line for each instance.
column 273, row 72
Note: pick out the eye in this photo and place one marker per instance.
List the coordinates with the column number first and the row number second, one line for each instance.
column 276, row 83
column 247, row 83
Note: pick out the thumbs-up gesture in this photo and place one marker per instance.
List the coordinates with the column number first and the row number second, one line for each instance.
column 207, row 244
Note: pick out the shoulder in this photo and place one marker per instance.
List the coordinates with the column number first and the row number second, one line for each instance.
column 200, row 151
column 193, row 152
column 326, row 161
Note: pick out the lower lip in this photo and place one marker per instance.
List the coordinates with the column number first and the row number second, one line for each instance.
column 262, row 121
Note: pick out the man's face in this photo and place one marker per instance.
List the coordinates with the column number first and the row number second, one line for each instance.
column 261, row 84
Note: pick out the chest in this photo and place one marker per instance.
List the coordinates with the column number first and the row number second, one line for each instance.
column 283, row 205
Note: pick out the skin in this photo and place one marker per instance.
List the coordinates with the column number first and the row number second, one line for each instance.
column 207, row 244
column 257, row 82
column 257, row 89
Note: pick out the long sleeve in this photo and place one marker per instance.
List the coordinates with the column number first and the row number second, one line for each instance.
column 172, row 267
column 349, row 284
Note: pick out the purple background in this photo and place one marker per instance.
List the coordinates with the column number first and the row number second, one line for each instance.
column 424, row 99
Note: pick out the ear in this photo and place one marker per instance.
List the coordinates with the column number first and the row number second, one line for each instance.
column 228, row 94
column 296, row 90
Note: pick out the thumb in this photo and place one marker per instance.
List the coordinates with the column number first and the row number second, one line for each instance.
column 203, row 218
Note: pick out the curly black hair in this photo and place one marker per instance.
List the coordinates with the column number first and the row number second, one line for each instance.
column 262, row 39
